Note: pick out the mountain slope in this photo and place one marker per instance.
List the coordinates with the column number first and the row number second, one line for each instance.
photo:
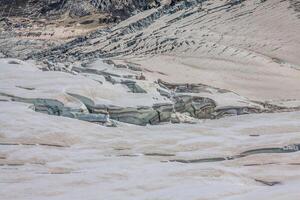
column 55, row 8
column 238, row 47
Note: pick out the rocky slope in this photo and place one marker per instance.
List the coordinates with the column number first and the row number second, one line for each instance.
column 79, row 8
column 44, row 8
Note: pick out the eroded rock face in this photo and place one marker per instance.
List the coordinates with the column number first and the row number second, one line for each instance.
column 125, row 7
column 75, row 8
column 26, row 8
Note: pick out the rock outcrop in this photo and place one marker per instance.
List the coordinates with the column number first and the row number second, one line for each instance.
column 74, row 8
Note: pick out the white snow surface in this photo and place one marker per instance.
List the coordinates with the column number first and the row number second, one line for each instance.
column 93, row 164
column 53, row 157
column 250, row 50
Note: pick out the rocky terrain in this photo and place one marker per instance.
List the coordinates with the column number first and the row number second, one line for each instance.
column 55, row 8
column 193, row 99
